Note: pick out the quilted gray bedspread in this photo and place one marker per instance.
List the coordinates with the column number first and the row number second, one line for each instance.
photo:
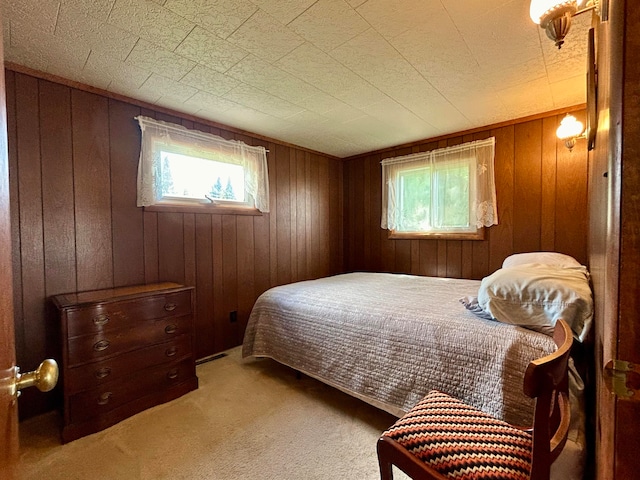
column 388, row 339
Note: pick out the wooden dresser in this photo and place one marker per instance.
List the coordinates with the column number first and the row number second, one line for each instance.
column 124, row 350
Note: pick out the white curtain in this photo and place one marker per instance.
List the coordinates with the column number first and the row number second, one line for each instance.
column 157, row 134
column 482, row 186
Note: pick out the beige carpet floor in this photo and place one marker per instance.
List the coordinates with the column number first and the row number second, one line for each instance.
column 249, row 420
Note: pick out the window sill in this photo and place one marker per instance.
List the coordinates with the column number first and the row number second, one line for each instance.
column 477, row 235
column 204, row 208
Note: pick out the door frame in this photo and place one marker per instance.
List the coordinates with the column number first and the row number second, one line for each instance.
column 614, row 251
column 8, row 402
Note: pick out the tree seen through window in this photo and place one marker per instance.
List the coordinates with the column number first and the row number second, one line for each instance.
column 433, row 197
column 225, row 193
column 201, row 178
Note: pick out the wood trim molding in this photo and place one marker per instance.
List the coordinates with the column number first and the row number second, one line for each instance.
column 81, row 86
column 105, row 93
column 537, row 116
column 478, row 235
column 203, row 208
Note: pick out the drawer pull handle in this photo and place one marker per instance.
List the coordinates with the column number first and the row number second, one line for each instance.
column 101, row 345
column 169, row 329
column 173, row 374
column 104, row 398
column 171, row 352
column 170, row 307
column 100, row 320
column 103, row 372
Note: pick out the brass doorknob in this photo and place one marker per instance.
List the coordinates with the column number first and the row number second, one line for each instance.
column 44, row 377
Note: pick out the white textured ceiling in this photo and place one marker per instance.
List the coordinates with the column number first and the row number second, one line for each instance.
column 337, row 76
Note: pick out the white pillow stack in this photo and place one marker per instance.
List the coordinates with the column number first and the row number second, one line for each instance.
column 534, row 290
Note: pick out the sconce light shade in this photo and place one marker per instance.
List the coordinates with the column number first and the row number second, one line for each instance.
column 569, row 130
column 542, row 11
column 570, row 126
column 554, row 16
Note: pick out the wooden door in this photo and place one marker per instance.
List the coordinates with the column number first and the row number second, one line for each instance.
column 8, row 404
column 615, row 243
column 626, row 152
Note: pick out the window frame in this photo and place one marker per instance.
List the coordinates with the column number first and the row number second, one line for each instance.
column 428, row 160
column 477, row 235
column 158, row 137
column 202, row 208
column 178, row 148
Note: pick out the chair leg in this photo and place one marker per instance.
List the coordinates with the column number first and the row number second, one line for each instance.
column 386, row 470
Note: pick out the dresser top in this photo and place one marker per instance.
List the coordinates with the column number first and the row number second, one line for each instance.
column 75, row 299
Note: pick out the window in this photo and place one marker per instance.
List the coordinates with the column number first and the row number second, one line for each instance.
column 447, row 192
column 186, row 167
column 187, row 178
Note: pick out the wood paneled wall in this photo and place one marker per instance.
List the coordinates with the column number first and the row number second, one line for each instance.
column 73, row 166
column 75, row 226
column 542, row 205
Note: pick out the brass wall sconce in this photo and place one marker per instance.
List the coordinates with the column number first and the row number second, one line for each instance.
column 554, row 16
column 570, row 130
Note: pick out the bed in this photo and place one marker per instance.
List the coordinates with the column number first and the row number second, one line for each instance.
column 390, row 338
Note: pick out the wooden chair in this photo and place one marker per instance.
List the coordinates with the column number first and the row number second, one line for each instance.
column 443, row 438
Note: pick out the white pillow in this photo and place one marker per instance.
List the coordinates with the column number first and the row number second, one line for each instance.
column 547, row 258
column 535, row 296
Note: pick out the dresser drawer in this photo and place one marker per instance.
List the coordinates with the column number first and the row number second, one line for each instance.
column 105, row 317
column 95, row 374
column 98, row 401
column 89, row 348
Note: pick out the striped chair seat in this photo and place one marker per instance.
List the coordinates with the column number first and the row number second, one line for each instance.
column 462, row 442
